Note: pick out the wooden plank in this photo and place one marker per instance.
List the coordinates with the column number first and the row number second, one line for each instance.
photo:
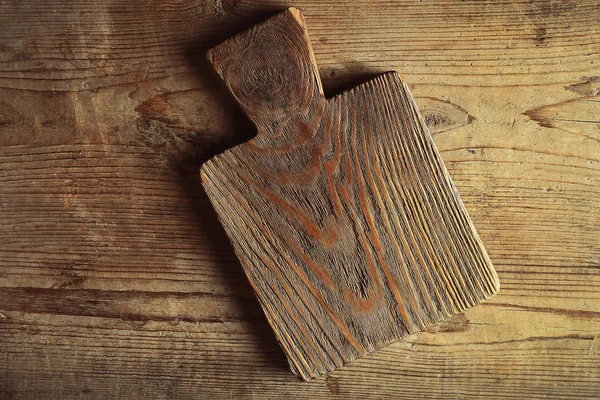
column 341, row 211
column 99, row 151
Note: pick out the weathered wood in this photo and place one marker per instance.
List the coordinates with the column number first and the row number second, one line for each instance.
column 108, row 109
column 341, row 211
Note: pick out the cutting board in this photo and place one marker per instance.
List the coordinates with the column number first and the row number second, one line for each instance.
column 340, row 210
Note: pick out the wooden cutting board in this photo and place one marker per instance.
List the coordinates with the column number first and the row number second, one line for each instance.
column 340, row 210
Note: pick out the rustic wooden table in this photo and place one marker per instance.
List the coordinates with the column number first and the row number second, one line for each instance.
column 116, row 280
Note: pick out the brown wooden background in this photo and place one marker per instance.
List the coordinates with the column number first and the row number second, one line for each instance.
column 116, row 280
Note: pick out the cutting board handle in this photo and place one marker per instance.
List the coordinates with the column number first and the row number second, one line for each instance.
column 271, row 70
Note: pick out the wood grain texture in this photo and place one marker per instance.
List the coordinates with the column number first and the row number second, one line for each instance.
column 117, row 280
column 341, row 211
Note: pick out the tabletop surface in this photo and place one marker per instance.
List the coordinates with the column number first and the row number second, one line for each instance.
column 117, row 281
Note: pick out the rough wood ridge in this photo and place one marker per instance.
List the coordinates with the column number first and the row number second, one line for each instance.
column 340, row 210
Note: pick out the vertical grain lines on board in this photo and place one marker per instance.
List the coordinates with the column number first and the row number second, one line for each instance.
column 341, row 211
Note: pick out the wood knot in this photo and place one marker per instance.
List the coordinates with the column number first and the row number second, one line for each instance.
column 541, row 35
column 434, row 119
column 221, row 7
column 333, row 384
column 455, row 323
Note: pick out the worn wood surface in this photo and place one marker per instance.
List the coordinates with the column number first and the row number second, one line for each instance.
column 117, row 281
column 341, row 210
